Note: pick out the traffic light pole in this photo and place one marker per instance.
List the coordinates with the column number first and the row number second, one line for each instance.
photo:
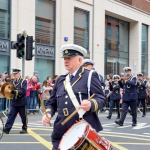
column 23, row 66
column 23, row 58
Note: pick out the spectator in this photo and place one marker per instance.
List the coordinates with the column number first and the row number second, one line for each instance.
column 46, row 90
column 29, row 86
column 35, row 73
column 107, row 90
column 35, row 86
column 147, row 91
column 55, row 79
column 2, row 98
column 49, row 80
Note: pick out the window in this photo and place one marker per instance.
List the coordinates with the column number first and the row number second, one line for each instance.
column 81, row 28
column 144, row 52
column 5, row 19
column 116, row 45
column 45, row 22
column 45, row 68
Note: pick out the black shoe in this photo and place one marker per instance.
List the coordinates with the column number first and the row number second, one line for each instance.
column 109, row 117
column 23, row 132
column 119, row 123
column 134, row 124
column 143, row 115
column 5, row 131
column 118, row 117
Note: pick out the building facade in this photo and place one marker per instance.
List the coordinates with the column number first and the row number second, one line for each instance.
column 116, row 33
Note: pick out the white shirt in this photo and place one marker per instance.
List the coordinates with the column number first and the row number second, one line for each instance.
column 74, row 73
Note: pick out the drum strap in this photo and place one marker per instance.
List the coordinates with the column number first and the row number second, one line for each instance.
column 72, row 96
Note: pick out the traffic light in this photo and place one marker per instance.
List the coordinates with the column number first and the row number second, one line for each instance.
column 14, row 45
column 20, row 45
column 29, row 47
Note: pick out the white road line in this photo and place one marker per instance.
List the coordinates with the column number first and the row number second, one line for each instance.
column 147, row 133
column 106, row 130
column 124, row 126
column 128, row 134
column 104, row 125
column 33, row 125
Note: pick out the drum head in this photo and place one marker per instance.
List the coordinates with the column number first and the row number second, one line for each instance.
column 72, row 136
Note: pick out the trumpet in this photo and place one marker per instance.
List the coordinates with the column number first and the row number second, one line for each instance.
column 127, row 78
column 139, row 82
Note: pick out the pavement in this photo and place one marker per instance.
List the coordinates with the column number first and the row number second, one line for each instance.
column 39, row 137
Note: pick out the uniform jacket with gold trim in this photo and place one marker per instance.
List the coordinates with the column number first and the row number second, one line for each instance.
column 60, row 100
column 20, row 98
column 141, row 89
column 129, row 89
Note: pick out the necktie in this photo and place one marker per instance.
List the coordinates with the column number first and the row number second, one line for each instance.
column 71, row 77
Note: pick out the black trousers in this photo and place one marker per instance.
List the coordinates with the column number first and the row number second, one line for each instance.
column 112, row 105
column 14, row 110
column 55, row 143
column 125, row 106
column 143, row 104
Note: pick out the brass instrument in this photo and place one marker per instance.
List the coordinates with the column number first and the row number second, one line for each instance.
column 139, row 83
column 6, row 90
column 127, row 78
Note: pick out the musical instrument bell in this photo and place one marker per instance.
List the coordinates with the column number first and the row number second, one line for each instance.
column 6, row 90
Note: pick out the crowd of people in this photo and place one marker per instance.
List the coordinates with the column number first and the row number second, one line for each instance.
column 35, row 91
column 114, row 92
column 82, row 90
column 111, row 87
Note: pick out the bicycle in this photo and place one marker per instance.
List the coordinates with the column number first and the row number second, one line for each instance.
column 1, row 127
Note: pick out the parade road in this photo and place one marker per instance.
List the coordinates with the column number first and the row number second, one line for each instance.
column 39, row 137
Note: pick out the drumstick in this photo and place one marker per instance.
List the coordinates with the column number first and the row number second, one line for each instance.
column 72, row 114
column 43, row 106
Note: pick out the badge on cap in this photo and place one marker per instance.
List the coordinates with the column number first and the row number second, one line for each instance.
column 66, row 51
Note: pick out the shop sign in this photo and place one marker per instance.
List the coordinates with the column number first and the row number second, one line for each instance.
column 4, row 45
column 42, row 50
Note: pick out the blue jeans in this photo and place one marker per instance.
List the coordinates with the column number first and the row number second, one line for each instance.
column 2, row 104
column 33, row 103
column 28, row 102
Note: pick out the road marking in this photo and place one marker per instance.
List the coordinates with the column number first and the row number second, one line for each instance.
column 127, row 137
column 106, row 130
column 127, row 134
column 147, row 133
column 42, row 129
column 40, row 139
column 126, row 125
column 33, row 125
column 118, row 146
column 20, row 143
column 141, row 126
column 121, row 127
column 127, row 143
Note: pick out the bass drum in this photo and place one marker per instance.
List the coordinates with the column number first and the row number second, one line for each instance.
column 81, row 136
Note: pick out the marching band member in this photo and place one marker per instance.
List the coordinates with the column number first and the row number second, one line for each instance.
column 89, row 64
column 71, row 89
column 107, row 90
column 129, row 97
column 141, row 90
column 18, row 104
column 114, row 96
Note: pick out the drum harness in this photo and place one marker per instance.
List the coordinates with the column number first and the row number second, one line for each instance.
column 73, row 98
